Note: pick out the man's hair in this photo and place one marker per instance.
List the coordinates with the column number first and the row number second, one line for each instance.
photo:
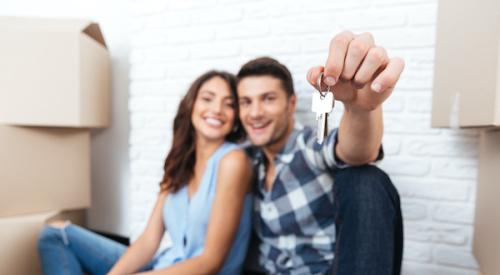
column 264, row 66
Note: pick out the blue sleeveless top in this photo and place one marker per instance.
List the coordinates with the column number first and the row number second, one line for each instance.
column 187, row 221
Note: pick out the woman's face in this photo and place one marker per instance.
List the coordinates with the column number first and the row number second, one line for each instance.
column 213, row 111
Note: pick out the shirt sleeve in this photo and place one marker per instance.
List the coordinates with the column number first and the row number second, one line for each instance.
column 323, row 156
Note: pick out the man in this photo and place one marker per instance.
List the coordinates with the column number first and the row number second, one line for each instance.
column 319, row 208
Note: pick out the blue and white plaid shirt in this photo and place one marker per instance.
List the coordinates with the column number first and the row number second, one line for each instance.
column 295, row 220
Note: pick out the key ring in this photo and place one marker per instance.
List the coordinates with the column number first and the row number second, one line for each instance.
column 320, row 80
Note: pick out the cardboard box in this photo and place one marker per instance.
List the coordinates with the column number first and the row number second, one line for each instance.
column 19, row 238
column 487, row 218
column 467, row 64
column 43, row 169
column 55, row 72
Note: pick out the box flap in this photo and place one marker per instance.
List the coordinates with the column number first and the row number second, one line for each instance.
column 54, row 24
column 94, row 32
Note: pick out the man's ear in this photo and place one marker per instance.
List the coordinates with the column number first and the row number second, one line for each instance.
column 292, row 102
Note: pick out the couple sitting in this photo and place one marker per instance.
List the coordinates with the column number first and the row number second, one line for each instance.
column 284, row 204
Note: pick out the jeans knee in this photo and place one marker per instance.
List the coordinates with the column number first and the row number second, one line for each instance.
column 368, row 187
column 51, row 235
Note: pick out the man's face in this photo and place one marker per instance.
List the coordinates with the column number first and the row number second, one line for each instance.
column 266, row 110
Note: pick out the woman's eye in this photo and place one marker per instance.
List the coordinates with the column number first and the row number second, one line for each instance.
column 206, row 99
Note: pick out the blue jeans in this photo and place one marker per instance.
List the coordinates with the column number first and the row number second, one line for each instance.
column 368, row 222
column 73, row 250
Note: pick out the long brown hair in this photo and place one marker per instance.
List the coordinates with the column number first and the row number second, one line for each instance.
column 179, row 164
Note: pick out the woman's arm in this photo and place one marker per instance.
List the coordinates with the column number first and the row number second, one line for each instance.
column 144, row 248
column 233, row 182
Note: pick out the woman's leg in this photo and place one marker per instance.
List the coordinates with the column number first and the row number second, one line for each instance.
column 70, row 249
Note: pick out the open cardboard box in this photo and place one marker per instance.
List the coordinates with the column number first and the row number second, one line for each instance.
column 43, row 169
column 55, row 72
column 487, row 218
column 19, row 236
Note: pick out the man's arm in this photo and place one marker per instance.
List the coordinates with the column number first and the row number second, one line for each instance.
column 362, row 76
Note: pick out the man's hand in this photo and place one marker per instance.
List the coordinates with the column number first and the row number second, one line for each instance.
column 361, row 74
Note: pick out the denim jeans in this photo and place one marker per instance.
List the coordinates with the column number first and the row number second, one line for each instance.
column 368, row 222
column 73, row 250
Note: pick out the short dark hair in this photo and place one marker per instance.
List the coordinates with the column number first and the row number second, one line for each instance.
column 263, row 66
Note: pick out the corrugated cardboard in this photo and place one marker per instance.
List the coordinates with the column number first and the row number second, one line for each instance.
column 43, row 169
column 19, row 236
column 487, row 223
column 466, row 89
column 55, row 72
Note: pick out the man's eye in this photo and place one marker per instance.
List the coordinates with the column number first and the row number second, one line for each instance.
column 269, row 98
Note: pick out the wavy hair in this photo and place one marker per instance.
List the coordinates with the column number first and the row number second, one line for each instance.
column 180, row 161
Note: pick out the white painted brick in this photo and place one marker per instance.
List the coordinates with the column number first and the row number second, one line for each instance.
column 271, row 46
column 219, row 14
column 149, row 71
column 423, row 36
column 405, row 166
column 215, row 50
column 454, row 257
column 433, row 232
column 392, row 145
column 419, row 103
column 147, row 7
column 412, row 268
column 168, row 19
column 414, row 187
column 243, row 30
column 451, row 147
column 455, row 168
column 416, row 80
column 409, row 124
column 302, row 24
column 326, row 5
column 190, row 4
column 190, row 35
column 416, row 251
column 148, row 39
column 423, row 14
column 147, row 105
column 408, row 3
column 413, row 210
column 387, row 18
column 163, row 54
column 455, row 213
column 394, row 104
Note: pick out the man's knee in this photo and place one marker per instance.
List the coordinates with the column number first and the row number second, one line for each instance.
column 368, row 187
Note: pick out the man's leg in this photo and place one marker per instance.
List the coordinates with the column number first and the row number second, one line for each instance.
column 368, row 222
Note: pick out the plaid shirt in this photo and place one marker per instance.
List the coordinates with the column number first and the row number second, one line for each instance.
column 295, row 221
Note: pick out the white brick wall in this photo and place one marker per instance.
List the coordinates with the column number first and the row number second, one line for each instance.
column 435, row 170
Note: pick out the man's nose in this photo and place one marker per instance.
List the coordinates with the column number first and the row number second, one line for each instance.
column 256, row 110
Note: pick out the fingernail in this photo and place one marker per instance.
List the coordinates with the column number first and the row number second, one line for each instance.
column 376, row 87
column 330, row 80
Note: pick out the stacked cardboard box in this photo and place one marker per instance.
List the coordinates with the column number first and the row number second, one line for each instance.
column 54, row 88
column 467, row 94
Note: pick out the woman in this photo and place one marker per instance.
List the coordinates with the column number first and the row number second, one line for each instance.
column 204, row 200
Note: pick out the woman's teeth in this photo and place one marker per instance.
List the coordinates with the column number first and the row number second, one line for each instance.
column 213, row 121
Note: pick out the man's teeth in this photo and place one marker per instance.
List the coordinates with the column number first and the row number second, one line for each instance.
column 213, row 121
column 258, row 126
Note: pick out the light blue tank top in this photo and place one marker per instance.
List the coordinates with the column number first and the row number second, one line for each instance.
column 187, row 221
